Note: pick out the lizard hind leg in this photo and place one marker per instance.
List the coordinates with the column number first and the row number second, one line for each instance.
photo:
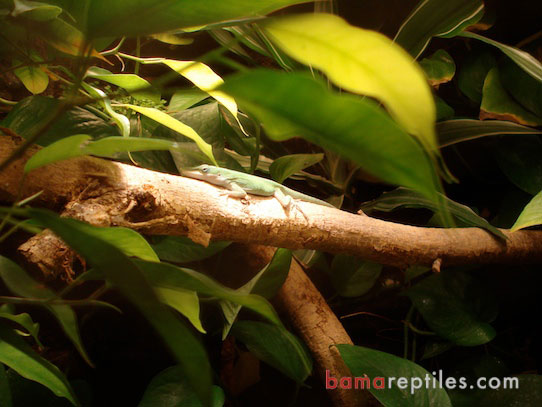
column 288, row 203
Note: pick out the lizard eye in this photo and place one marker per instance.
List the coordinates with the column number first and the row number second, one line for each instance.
column 204, row 169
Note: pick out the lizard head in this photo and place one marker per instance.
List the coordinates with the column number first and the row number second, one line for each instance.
column 204, row 172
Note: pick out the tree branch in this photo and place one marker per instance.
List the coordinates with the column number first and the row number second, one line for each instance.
column 113, row 194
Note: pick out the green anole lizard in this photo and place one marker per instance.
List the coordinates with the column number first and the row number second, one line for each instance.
column 239, row 185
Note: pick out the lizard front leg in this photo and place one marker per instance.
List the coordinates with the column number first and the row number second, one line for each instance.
column 288, row 203
column 235, row 191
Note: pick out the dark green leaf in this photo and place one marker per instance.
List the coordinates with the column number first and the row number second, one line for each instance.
column 378, row 366
column 436, row 18
column 133, row 284
column 266, row 283
column 521, row 86
column 519, row 160
column 18, row 355
column 5, row 393
column 353, row 127
column 456, row 131
column 285, row 166
column 20, row 283
column 444, row 110
column 163, row 275
column 439, row 67
column 473, row 72
column 456, row 307
column 31, row 112
column 7, row 311
column 179, row 249
column 353, row 277
column 498, row 104
column 126, row 18
column 403, row 197
column 276, row 347
column 169, row 389
column 184, row 301
column 435, row 348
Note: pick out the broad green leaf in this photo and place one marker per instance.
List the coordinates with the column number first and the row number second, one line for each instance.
column 128, row 278
column 120, row 120
column 163, row 275
column 361, row 61
column 5, row 393
column 126, row 18
column 521, row 86
column 524, row 60
column 405, row 198
column 531, row 214
column 20, row 283
column 439, row 67
column 127, row 240
column 33, row 78
column 79, row 145
column 455, row 131
column 519, row 160
column 35, row 10
column 184, row 301
column 180, row 249
column 456, row 307
column 168, row 389
column 353, row 277
column 31, row 112
column 7, row 311
column 60, row 150
column 433, row 18
column 353, row 127
column 276, row 347
column 285, row 166
column 18, row 355
column 266, row 283
column 184, row 99
column 174, row 124
column 138, row 87
column 497, row 103
column 373, row 367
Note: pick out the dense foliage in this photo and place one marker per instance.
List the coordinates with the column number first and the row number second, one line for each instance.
column 433, row 121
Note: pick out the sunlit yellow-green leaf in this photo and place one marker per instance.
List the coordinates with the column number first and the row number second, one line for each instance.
column 204, row 78
column 176, row 125
column 138, row 87
column 184, row 301
column 531, row 214
column 173, row 39
column 361, row 61
column 33, row 78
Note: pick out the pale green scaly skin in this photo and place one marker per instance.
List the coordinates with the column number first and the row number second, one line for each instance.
column 237, row 182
